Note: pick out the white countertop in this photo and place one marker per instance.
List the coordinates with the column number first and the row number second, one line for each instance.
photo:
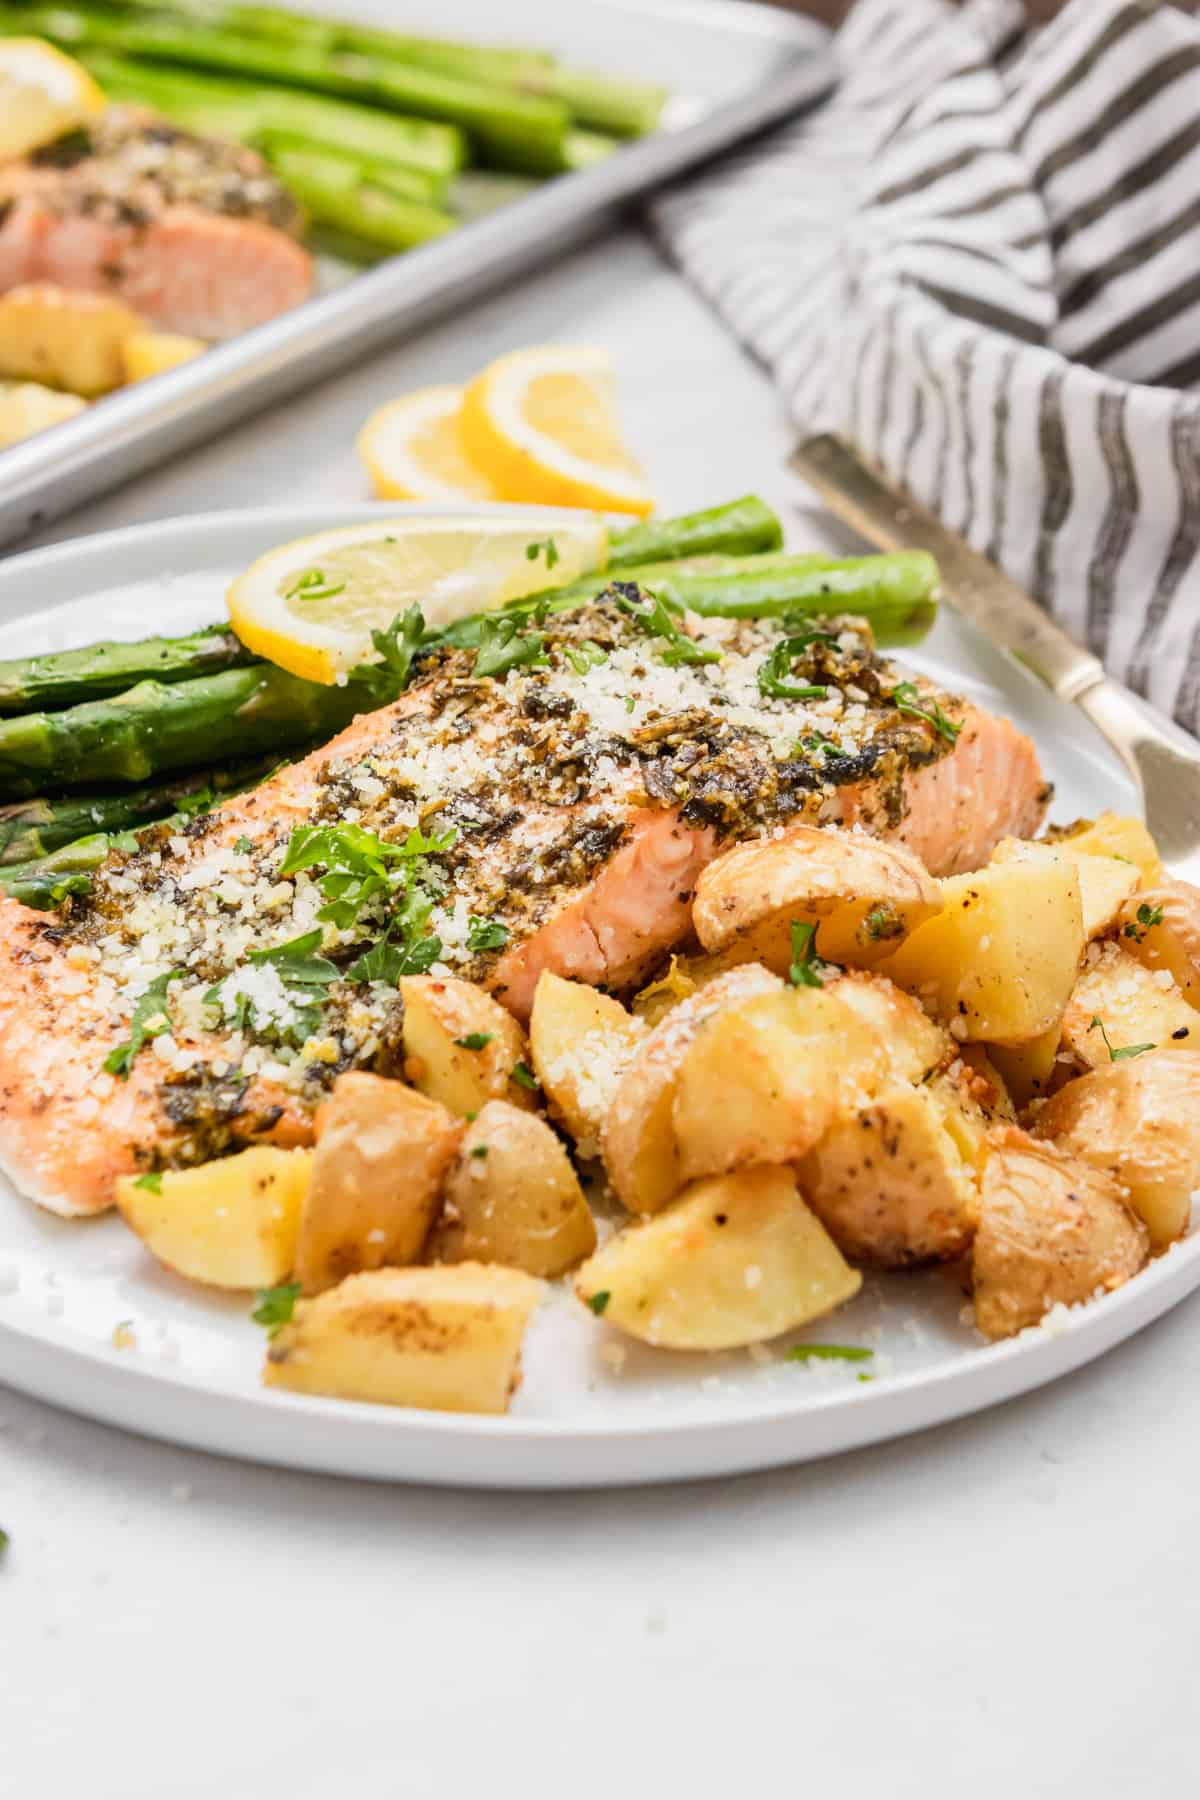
column 1006, row 1605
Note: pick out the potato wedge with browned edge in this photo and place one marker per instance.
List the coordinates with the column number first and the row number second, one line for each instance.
column 383, row 1153
column 447, row 1339
column 1053, row 1230
column 512, row 1197
column 461, row 1047
column 1140, row 1120
column 1120, row 1009
column 232, row 1223
column 1160, row 926
column 999, row 962
column 581, row 1042
column 863, row 896
column 638, row 1140
column 733, row 1261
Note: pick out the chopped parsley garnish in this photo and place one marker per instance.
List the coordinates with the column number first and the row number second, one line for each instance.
column 311, row 584
column 479, row 1151
column 904, row 699
column 815, row 741
column 654, row 618
column 150, row 1019
column 406, row 947
column 475, row 1040
column 151, row 1181
column 599, row 1300
column 851, row 1353
column 883, row 921
column 805, row 967
column 543, row 546
column 774, row 675
column 298, row 962
column 504, row 646
column 629, row 703
column 359, row 867
column 485, row 934
column 396, row 647
column 525, row 1077
column 585, row 656
column 243, row 847
column 1118, row 1054
column 1146, row 917
column 304, row 974
column 276, row 1306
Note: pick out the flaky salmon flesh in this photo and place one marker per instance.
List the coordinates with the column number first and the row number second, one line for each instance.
column 195, row 235
column 554, row 816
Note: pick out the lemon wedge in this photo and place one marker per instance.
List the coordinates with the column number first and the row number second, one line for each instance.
column 42, row 94
column 413, row 450
column 311, row 605
column 542, row 425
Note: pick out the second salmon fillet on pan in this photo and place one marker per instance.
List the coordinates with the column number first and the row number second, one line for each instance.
column 555, row 815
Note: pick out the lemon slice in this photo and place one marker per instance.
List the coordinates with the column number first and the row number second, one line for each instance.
column 311, row 605
column 413, row 450
column 42, row 94
column 542, row 424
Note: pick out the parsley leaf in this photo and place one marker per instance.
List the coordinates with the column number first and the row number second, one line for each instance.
column 1118, row 1054
column 904, row 699
column 311, row 584
column 475, row 1040
column 151, row 1181
column 504, row 646
column 883, row 921
column 774, row 675
column 397, row 646
column 276, row 1306
column 1146, row 917
column 652, row 614
column 599, row 1300
column 479, row 1151
column 150, row 1019
column 546, row 545
column 805, row 967
column 297, row 963
column 851, row 1353
column 405, row 948
column 359, row 867
column 525, row 1077
column 585, row 656
column 243, row 847
column 486, row 934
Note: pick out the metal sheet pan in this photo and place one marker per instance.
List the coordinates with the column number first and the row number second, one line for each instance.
column 732, row 69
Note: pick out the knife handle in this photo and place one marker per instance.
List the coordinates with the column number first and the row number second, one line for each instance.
column 891, row 520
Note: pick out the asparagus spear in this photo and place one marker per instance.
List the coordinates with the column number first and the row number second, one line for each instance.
column 35, row 828
column 738, row 529
column 62, row 677
column 329, row 189
column 336, row 166
column 599, row 102
column 47, row 881
column 153, row 727
column 206, row 103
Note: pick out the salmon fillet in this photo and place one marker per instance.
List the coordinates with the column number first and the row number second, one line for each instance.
column 562, row 813
column 195, row 235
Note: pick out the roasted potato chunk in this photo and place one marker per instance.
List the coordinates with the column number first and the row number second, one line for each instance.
column 146, row 353
column 910, row 1043
column 1140, row 1120
column 1161, row 927
column 1116, row 835
column 460, row 1046
column 1000, row 960
column 1052, row 1230
column 733, row 1261
column 638, row 1140
column 231, row 1224
column 1105, row 882
column 26, row 407
column 862, row 895
column 382, row 1156
column 1119, row 1006
column 64, row 337
column 764, row 1079
column 513, row 1197
column 892, row 1183
column 1028, row 1069
column 448, row 1339
column 581, row 1041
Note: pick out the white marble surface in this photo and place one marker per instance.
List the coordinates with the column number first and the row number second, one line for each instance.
column 1004, row 1605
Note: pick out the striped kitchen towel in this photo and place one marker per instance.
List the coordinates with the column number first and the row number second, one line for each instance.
column 981, row 261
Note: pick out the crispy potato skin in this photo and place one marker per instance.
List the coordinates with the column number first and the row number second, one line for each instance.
column 581, row 1042
column 512, row 1197
column 893, row 1184
column 1173, row 942
column 440, row 1014
column 447, row 1339
column 863, row 895
column 1052, row 1230
column 638, row 1142
column 1139, row 1120
column 232, row 1223
column 1132, row 1006
column 734, row 1260
column 383, row 1153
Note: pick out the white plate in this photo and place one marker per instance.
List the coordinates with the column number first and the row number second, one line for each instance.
column 578, row 1420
